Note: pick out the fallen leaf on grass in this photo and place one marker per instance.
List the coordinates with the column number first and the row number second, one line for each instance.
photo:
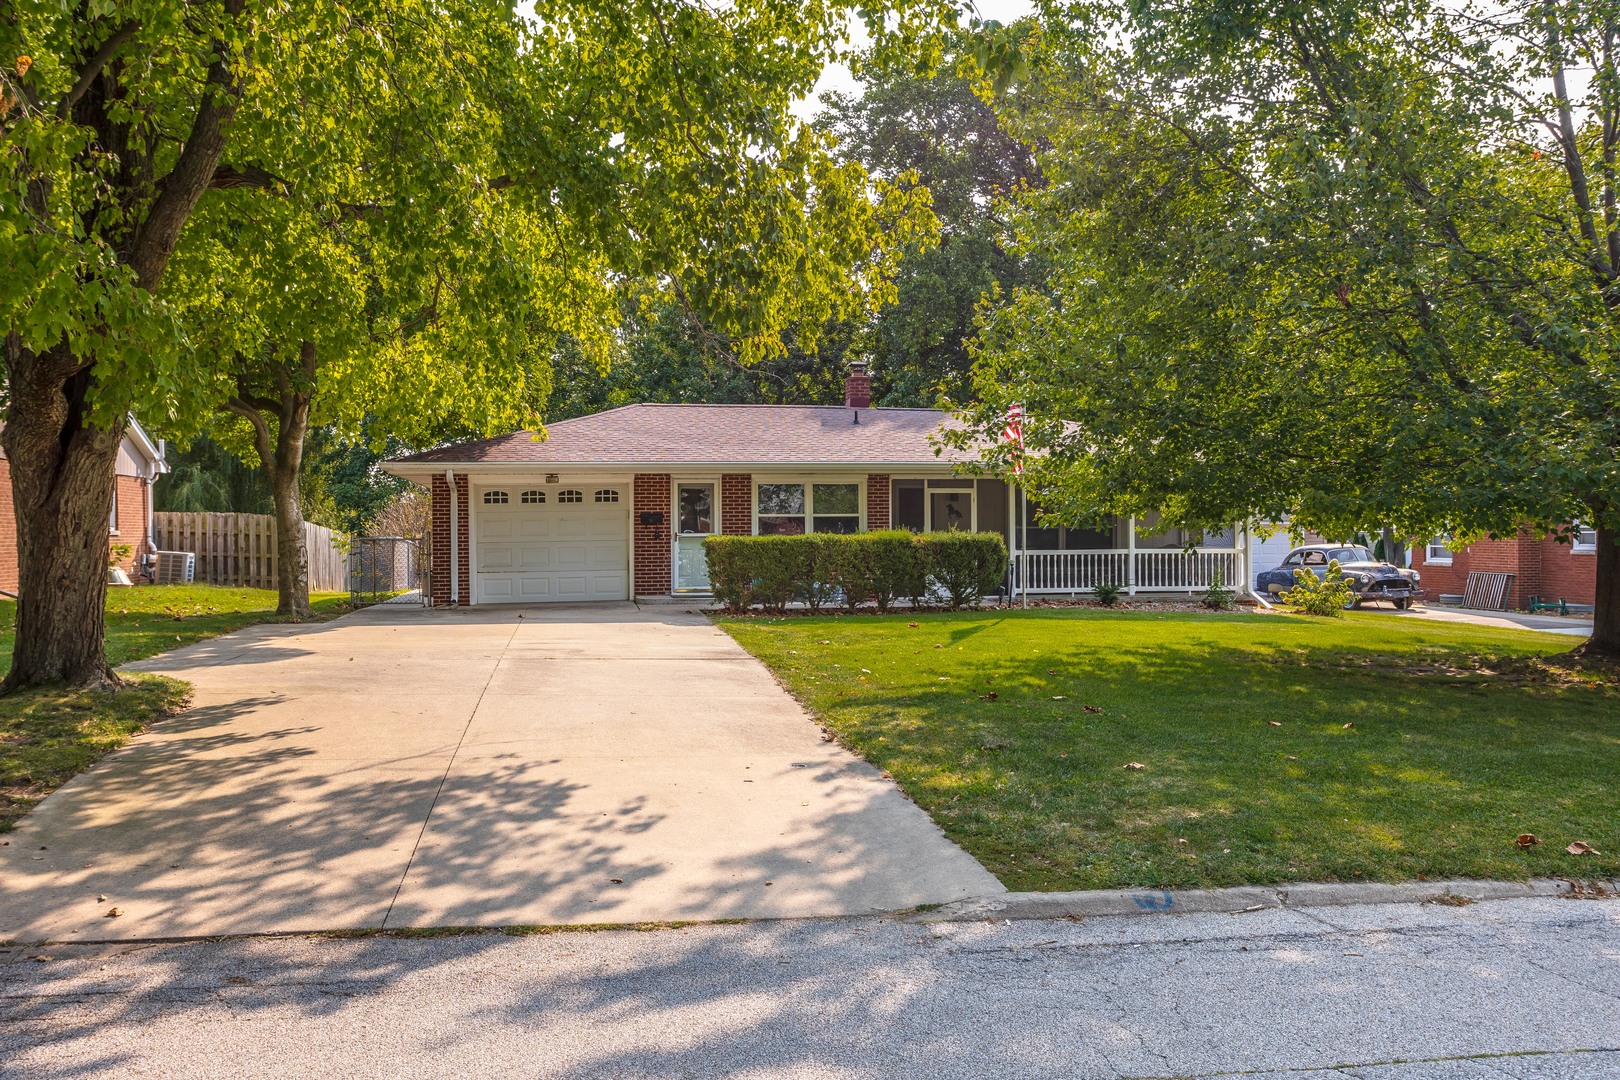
column 823, row 641
column 1051, row 671
column 991, row 696
column 913, row 625
column 1275, row 723
column 1351, row 724
column 1527, row 840
column 1057, row 697
column 939, row 646
column 1581, row 847
column 1133, row 765
column 1092, row 708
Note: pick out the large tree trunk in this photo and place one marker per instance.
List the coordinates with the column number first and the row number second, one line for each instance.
column 62, row 467
column 1605, row 640
column 282, row 455
column 292, row 554
column 61, row 484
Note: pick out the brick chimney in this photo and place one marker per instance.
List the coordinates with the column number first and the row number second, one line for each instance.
column 857, row 386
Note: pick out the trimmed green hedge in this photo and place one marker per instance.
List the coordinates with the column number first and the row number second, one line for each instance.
column 862, row 568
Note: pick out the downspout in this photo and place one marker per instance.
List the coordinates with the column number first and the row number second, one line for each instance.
column 1248, row 571
column 455, row 540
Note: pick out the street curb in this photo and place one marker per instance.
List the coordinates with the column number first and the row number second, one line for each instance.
column 1235, row 901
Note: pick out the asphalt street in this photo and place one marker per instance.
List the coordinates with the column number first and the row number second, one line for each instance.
column 1497, row 989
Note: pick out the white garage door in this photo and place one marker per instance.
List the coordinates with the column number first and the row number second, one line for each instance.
column 538, row 545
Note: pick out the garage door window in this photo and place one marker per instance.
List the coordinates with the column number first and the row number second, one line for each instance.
column 533, row 497
column 607, row 495
column 493, row 497
column 569, row 495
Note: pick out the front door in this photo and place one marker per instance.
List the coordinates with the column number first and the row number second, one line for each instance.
column 694, row 523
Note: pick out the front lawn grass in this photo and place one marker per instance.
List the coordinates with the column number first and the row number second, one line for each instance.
column 1273, row 748
column 51, row 734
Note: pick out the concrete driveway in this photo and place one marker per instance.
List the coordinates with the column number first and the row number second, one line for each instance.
column 406, row 768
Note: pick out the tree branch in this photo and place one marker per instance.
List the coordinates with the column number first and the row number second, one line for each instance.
column 93, row 66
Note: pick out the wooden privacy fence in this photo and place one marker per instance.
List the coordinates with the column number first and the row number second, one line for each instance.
column 240, row 549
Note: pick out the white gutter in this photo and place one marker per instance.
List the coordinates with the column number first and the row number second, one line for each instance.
column 415, row 470
column 455, row 539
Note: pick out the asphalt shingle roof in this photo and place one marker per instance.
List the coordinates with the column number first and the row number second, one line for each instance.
column 716, row 435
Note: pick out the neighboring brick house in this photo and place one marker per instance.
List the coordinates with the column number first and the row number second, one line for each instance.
column 617, row 505
column 1541, row 566
column 140, row 462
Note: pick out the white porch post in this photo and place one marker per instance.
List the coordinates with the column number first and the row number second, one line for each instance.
column 1130, row 557
column 1012, row 541
column 455, row 546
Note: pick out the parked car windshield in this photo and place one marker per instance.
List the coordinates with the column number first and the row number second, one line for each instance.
column 1351, row 554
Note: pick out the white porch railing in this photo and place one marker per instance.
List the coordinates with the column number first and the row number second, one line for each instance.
column 1139, row 571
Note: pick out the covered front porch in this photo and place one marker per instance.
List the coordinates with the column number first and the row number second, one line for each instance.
column 1136, row 554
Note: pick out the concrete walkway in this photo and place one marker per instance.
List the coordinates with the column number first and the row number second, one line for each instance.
column 402, row 767
column 1507, row 620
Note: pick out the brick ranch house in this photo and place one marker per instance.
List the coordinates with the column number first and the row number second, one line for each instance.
column 616, row 505
column 140, row 462
column 1541, row 566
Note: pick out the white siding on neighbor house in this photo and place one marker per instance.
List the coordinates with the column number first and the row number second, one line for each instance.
column 1269, row 553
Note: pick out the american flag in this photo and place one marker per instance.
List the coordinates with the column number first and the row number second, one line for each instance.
column 1013, row 434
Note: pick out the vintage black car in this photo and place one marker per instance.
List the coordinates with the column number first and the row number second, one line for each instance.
column 1370, row 579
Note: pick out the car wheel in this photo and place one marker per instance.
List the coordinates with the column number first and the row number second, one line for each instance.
column 1403, row 603
column 1352, row 604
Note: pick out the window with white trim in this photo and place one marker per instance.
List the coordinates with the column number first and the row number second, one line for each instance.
column 112, row 515
column 1438, row 550
column 492, row 498
column 607, row 495
column 570, row 495
column 533, row 497
column 794, row 509
column 1584, row 538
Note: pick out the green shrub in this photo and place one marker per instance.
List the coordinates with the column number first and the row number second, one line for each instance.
column 878, row 567
column 968, row 566
column 1218, row 597
column 730, row 571
column 883, row 567
column 1108, row 592
column 1326, row 596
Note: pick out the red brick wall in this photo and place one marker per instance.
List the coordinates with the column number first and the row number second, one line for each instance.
column 8, row 531
column 737, row 504
column 133, row 493
column 1566, row 573
column 1541, row 567
column 652, row 551
column 877, row 502
column 441, row 542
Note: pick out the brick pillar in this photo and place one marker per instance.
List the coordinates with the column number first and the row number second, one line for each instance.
column 441, row 542
column 737, row 504
column 877, row 502
column 652, row 554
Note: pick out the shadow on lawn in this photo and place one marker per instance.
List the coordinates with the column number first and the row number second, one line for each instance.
column 1295, row 759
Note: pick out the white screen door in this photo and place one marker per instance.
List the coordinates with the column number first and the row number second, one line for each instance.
column 694, row 522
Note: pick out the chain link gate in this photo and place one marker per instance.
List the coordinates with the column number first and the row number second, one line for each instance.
column 388, row 570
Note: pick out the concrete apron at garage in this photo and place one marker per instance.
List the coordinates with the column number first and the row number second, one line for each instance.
column 410, row 768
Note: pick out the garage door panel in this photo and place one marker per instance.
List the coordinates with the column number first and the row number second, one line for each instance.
column 539, row 553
